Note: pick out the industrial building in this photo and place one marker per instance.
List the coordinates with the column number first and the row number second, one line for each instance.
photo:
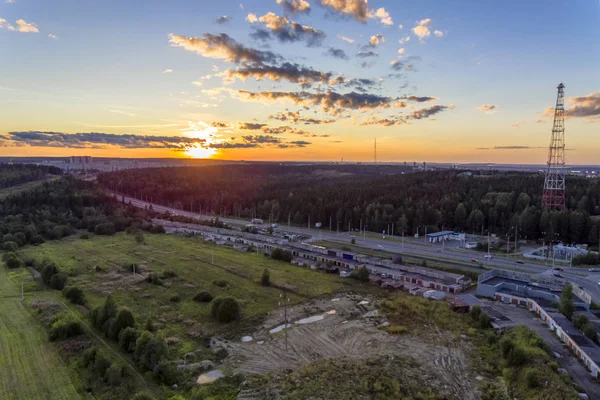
column 438, row 237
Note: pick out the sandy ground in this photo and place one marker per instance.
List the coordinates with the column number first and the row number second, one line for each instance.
column 567, row 360
column 352, row 332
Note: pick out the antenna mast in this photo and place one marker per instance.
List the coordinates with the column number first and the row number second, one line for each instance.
column 553, row 197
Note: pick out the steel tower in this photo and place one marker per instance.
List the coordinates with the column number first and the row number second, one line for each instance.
column 554, row 184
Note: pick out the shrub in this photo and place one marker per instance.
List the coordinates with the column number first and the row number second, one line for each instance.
column 225, row 309
column 101, row 365
column 127, row 339
column 131, row 267
column 154, row 279
column 516, row 356
column 48, row 271
column 220, row 283
column 532, row 378
column 169, row 274
column 139, row 237
column 106, row 228
column 175, row 298
column 506, row 345
column 149, row 326
column 484, row 320
column 89, row 356
column 157, row 229
column 74, row 295
column 396, row 329
column 114, row 375
column 475, row 312
column 361, row 274
column 123, row 320
column 203, row 297
column 64, row 327
column 142, row 396
column 58, row 281
column 150, row 350
column 265, row 280
column 580, row 321
column 84, row 236
column 10, row 246
column 12, row 261
column 590, row 331
column 36, row 239
column 353, row 241
column 283, row 255
column 104, row 313
column 165, row 373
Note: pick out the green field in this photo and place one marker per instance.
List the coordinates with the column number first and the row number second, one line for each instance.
column 30, row 366
column 190, row 259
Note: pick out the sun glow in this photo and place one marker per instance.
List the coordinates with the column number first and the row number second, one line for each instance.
column 200, row 152
column 207, row 134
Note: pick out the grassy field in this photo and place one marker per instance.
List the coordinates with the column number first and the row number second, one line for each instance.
column 5, row 192
column 191, row 260
column 30, row 366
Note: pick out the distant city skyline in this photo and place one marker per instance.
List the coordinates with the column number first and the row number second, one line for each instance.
column 314, row 80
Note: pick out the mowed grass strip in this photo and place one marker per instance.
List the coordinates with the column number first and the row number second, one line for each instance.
column 191, row 260
column 30, row 367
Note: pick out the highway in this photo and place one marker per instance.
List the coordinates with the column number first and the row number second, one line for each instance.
column 450, row 254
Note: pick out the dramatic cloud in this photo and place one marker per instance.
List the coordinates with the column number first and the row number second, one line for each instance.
column 375, row 40
column 355, row 8
column 383, row 16
column 295, row 6
column 428, row 112
column 438, row 33
column 285, row 30
column 250, row 126
column 330, row 102
column 295, row 118
column 223, row 19
column 487, row 107
column 346, row 39
column 584, row 106
column 422, row 29
column 97, row 140
column 22, row 26
column 255, row 63
column 337, row 53
column 251, row 18
column 365, row 54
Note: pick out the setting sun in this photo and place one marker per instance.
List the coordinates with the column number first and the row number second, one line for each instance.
column 200, row 152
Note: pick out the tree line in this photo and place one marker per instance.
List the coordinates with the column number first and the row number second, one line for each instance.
column 495, row 202
column 12, row 175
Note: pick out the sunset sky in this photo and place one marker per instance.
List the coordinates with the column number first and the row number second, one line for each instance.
column 448, row 81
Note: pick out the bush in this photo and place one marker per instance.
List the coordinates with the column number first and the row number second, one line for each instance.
column 169, row 274
column 131, row 267
column 123, row 320
column 225, row 309
column 101, row 365
column 102, row 314
column 89, row 356
column 74, row 295
column 139, row 237
column 127, row 339
column 150, row 350
column 157, row 229
column 353, row 241
column 84, row 236
column 283, row 255
column 484, row 320
column 142, row 396
column 10, row 246
column 580, row 321
column 12, row 261
column 107, row 228
column 590, row 331
column 154, row 279
column 532, row 378
column 506, row 345
column 361, row 274
column 64, row 327
column 175, row 298
column 58, row 281
column 516, row 356
column 475, row 312
column 220, row 283
column 48, row 272
column 165, row 373
column 114, row 375
column 265, row 280
column 204, row 297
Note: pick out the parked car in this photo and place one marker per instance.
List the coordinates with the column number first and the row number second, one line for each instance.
column 520, row 262
column 488, row 256
column 558, row 269
column 594, row 269
column 474, row 260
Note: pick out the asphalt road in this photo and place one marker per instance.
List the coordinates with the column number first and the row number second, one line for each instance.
column 449, row 253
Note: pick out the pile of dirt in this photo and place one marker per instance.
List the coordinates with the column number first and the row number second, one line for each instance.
column 348, row 327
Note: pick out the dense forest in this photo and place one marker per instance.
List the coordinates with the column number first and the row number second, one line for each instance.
column 352, row 196
column 56, row 209
column 12, row 175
